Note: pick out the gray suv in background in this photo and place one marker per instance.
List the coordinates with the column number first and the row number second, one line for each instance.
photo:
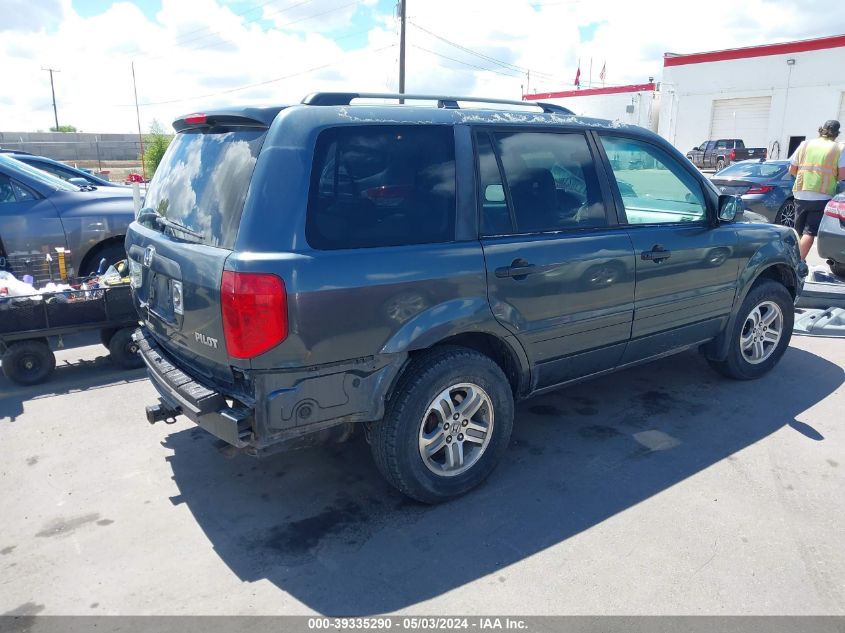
column 302, row 271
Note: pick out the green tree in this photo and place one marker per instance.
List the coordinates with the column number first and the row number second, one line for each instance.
column 155, row 144
column 63, row 128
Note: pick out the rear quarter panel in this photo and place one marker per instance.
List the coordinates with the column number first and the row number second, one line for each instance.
column 351, row 303
column 90, row 220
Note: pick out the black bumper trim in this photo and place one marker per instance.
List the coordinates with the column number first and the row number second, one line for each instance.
column 204, row 406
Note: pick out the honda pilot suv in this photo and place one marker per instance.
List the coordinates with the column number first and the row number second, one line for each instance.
column 302, row 271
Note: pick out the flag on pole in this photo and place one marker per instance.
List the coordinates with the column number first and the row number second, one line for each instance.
column 578, row 75
column 603, row 72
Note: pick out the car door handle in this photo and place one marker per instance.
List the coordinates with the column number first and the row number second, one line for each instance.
column 519, row 269
column 657, row 254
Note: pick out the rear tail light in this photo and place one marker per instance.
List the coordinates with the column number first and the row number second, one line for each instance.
column 732, row 155
column 195, row 119
column 760, row 189
column 836, row 210
column 255, row 312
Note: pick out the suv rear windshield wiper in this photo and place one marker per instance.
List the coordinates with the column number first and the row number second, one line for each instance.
column 162, row 222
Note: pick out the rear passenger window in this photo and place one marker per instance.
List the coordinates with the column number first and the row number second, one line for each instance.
column 382, row 186
column 551, row 180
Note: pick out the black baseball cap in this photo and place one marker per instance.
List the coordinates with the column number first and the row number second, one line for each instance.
column 831, row 126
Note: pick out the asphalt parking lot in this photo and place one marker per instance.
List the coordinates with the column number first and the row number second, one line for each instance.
column 665, row 489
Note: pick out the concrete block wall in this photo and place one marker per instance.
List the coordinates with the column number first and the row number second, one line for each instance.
column 69, row 147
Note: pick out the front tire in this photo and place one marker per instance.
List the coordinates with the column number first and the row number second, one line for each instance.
column 760, row 333
column 446, row 425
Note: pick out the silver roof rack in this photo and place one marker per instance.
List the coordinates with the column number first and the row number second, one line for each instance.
column 449, row 103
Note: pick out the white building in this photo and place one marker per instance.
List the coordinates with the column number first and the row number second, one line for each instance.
column 771, row 96
column 637, row 104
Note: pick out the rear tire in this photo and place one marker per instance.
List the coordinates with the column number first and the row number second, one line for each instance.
column 837, row 268
column 720, row 165
column 424, row 417
column 28, row 362
column 760, row 333
column 124, row 351
column 112, row 253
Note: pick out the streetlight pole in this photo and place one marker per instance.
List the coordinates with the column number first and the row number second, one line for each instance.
column 402, row 4
column 138, row 117
column 53, row 91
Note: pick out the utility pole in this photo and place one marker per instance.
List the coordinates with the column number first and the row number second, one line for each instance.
column 53, row 90
column 138, row 116
column 402, row 4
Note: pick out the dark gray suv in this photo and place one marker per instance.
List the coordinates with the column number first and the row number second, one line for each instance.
column 413, row 270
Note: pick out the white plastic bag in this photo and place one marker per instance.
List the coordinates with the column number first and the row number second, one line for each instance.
column 14, row 287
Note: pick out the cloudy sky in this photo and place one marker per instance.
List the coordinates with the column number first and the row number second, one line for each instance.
column 190, row 55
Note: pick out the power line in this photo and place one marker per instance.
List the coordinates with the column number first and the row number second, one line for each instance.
column 282, row 26
column 490, row 70
column 508, row 65
column 245, row 22
column 180, row 40
column 252, row 85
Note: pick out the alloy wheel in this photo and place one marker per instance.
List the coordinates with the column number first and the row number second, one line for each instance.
column 456, row 429
column 761, row 332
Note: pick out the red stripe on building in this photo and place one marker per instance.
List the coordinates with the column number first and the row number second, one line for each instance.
column 586, row 92
column 836, row 41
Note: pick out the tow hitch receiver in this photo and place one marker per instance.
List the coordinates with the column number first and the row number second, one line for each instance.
column 159, row 412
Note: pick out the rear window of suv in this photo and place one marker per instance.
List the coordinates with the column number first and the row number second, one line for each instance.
column 382, row 185
column 202, row 181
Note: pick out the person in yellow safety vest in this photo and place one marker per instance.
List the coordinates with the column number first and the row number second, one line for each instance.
column 817, row 166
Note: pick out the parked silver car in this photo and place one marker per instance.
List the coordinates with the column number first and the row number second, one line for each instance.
column 831, row 239
column 764, row 185
column 40, row 213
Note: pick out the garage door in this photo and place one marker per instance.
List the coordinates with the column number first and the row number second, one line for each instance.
column 747, row 119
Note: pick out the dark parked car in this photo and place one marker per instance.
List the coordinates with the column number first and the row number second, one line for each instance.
column 722, row 152
column 40, row 213
column 304, row 270
column 831, row 239
column 765, row 187
column 72, row 175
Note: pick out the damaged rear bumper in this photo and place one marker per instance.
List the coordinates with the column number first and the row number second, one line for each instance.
column 293, row 408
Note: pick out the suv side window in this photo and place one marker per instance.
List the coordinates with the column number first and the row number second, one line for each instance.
column 551, row 182
column 655, row 188
column 382, row 185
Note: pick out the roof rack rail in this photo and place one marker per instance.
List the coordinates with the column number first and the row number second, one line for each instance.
column 449, row 103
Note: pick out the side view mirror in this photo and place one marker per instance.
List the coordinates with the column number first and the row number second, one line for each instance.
column 729, row 208
column 79, row 182
column 494, row 193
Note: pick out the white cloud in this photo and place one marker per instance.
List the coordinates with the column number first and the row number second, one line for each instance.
column 203, row 49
